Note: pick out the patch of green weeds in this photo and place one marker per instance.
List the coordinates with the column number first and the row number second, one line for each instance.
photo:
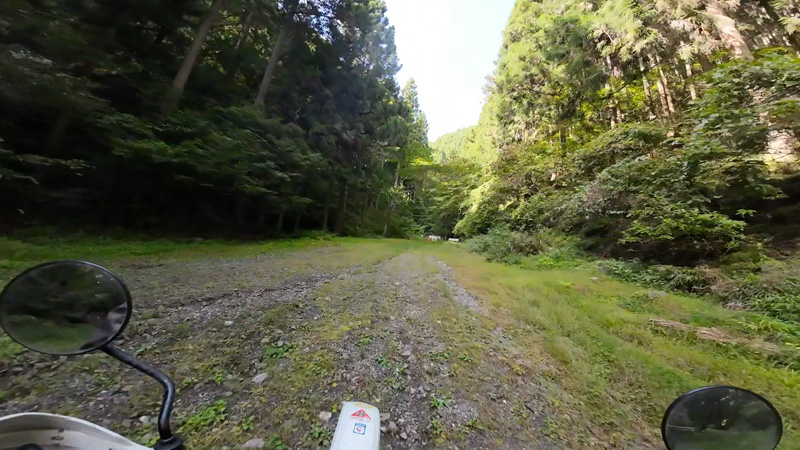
column 436, row 427
column 274, row 442
column 9, row 349
column 465, row 358
column 219, row 377
column 384, row 362
column 640, row 302
column 182, row 330
column 278, row 352
column 438, row 401
column 364, row 341
column 476, row 424
column 318, row 370
column 145, row 437
column 319, row 436
column 206, row 418
column 247, row 423
column 396, row 383
column 470, row 427
column 438, row 356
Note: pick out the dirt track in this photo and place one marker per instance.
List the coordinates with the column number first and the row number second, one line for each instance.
column 319, row 327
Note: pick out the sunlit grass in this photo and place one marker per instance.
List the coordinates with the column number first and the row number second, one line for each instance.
column 617, row 369
column 24, row 250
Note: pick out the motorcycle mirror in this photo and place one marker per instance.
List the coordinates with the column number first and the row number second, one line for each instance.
column 65, row 307
column 721, row 417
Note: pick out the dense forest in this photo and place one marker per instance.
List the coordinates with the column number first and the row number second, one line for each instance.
column 239, row 116
column 658, row 139
column 661, row 130
column 664, row 131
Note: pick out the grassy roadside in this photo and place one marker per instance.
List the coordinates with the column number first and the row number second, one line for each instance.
column 20, row 252
column 605, row 360
column 24, row 250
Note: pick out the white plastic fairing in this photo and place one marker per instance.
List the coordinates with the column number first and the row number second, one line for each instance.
column 53, row 432
column 359, row 427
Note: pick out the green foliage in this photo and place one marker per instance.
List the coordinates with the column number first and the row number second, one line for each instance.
column 274, row 442
column 206, row 418
column 634, row 189
column 98, row 134
column 278, row 352
column 247, row 423
column 459, row 146
column 608, row 122
column 744, row 280
column 501, row 245
column 319, row 436
column 667, row 277
column 546, row 249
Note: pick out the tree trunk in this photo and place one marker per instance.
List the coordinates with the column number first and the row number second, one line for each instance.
column 689, row 74
column 613, row 114
column 188, row 62
column 240, row 211
column 234, row 61
column 726, row 27
column 340, row 213
column 326, row 214
column 286, row 30
column 793, row 38
column 665, row 83
column 261, row 214
column 648, row 100
column 297, row 223
column 279, row 225
column 248, row 22
column 662, row 92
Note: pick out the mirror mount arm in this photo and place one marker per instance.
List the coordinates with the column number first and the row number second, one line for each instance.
column 167, row 441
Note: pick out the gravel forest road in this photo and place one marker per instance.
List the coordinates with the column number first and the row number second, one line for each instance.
column 264, row 349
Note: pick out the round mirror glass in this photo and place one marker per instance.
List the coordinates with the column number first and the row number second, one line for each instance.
column 721, row 417
column 65, row 307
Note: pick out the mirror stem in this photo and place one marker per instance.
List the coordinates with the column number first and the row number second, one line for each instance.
column 167, row 440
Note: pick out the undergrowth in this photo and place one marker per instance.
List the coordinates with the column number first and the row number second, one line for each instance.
column 745, row 279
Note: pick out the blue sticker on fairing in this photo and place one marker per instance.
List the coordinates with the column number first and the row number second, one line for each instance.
column 360, row 428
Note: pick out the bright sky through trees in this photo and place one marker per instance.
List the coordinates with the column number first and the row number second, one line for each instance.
column 449, row 48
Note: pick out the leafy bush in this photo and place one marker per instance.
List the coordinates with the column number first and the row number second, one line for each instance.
column 747, row 281
column 499, row 245
column 546, row 249
column 685, row 279
column 671, row 193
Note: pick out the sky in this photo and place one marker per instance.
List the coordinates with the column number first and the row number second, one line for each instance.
column 449, row 47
